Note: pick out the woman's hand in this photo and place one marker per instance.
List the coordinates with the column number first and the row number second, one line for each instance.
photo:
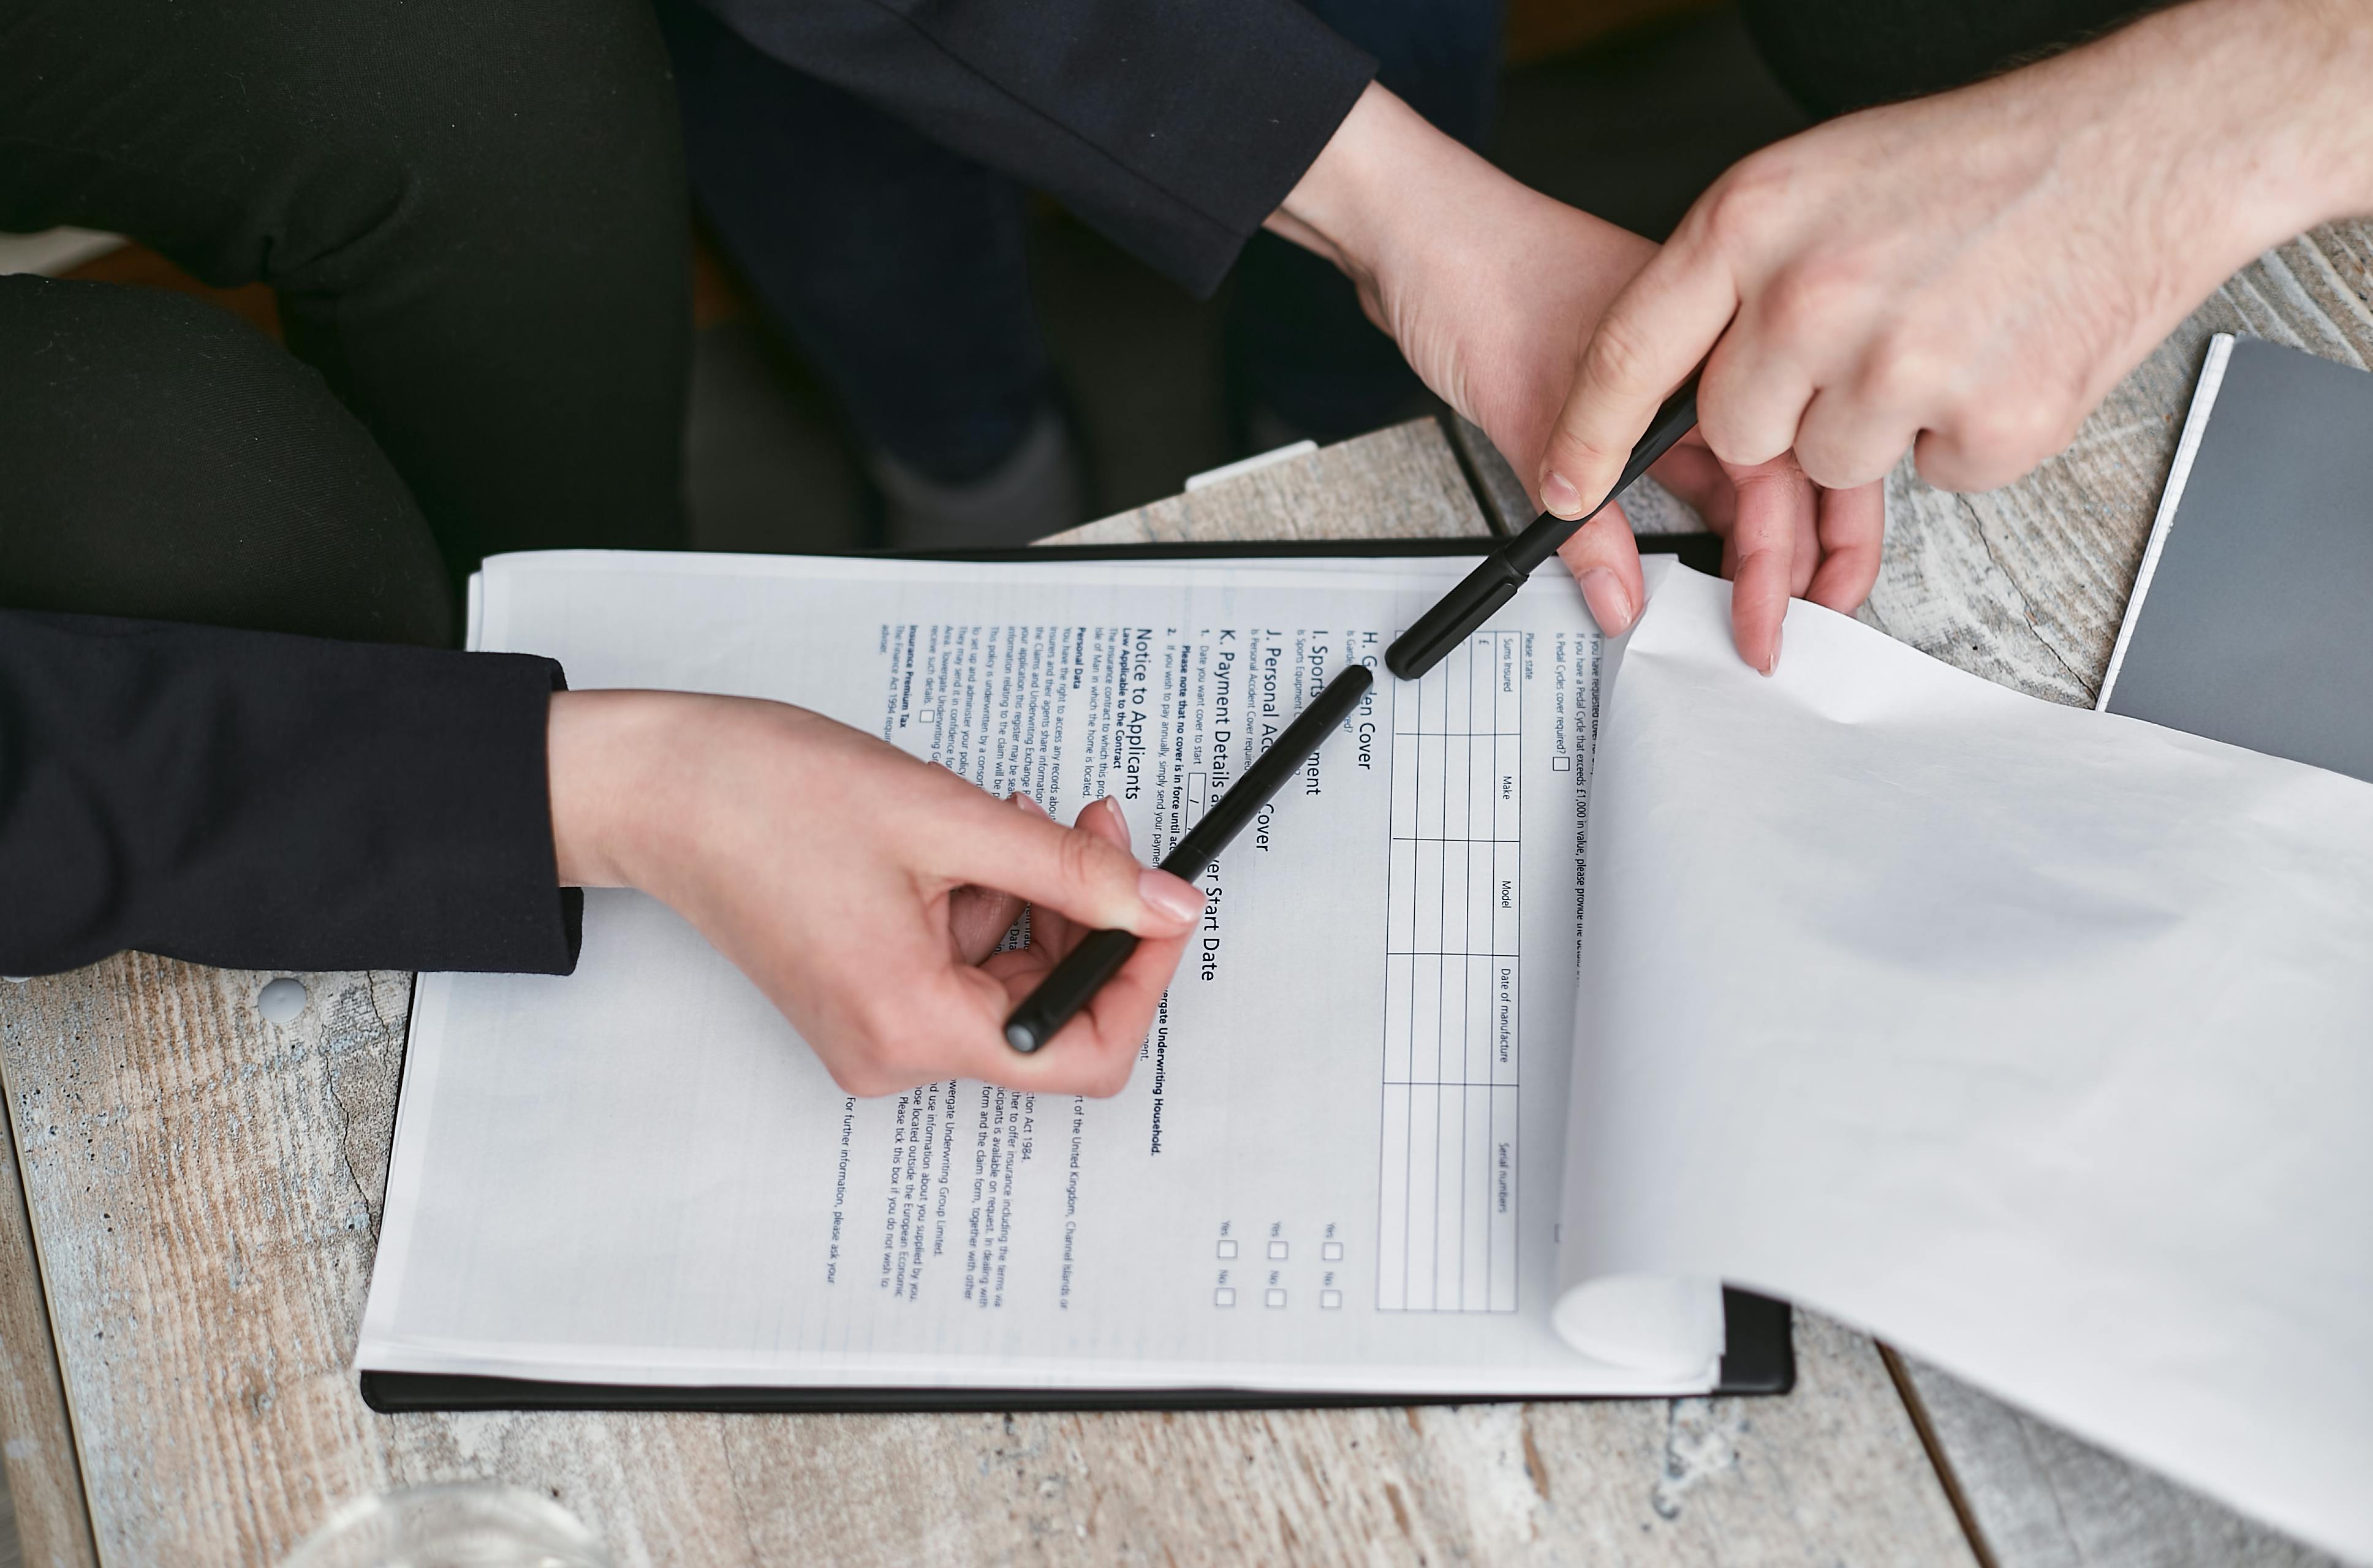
column 863, row 890
column 1489, row 287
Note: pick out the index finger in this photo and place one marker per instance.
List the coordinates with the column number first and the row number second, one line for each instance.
column 1656, row 332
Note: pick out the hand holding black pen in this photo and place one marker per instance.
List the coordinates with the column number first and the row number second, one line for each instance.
column 1493, row 582
column 1072, row 983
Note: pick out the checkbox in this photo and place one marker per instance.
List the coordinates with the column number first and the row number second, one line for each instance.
column 1227, row 1249
column 927, row 715
column 1560, row 764
column 1276, row 1298
column 1331, row 1301
column 1277, row 1249
column 1223, row 1297
column 1332, row 1252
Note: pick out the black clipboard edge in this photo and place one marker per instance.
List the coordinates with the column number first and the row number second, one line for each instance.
column 1759, row 1358
column 1700, row 551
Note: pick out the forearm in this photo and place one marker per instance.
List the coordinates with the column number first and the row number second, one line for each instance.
column 2254, row 120
column 2297, row 95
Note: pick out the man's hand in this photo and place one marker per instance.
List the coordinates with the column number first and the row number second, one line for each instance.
column 862, row 890
column 1492, row 289
column 1966, row 274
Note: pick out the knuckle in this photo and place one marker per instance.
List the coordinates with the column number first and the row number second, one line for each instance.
column 2009, row 434
column 1082, row 861
column 1618, row 356
column 1830, row 464
column 1810, row 301
column 1898, row 371
column 1744, row 203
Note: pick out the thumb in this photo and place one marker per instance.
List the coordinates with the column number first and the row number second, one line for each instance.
column 1605, row 559
column 1657, row 330
column 1078, row 871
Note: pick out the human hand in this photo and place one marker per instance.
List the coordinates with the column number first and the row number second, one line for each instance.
column 863, row 890
column 1783, row 536
column 1489, row 287
column 1966, row 274
column 1492, row 289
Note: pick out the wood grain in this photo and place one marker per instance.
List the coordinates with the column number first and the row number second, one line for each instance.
column 204, row 1188
column 52, row 1528
column 2041, row 1498
column 1400, row 483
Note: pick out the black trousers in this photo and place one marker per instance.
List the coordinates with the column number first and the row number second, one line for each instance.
column 474, row 217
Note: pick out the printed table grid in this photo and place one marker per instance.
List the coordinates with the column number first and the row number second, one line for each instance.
column 1446, row 1175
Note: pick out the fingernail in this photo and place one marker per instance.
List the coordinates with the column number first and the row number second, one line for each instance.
column 1027, row 804
column 1610, row 604
column 1771, row 659
column 1118, row 817
column 1559, row 494
column 1168, row 893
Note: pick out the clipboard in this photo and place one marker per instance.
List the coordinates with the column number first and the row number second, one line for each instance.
column 1758, row 1355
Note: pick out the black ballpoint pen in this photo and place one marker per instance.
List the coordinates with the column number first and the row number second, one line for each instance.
column 1479, row 595
column 1083, row 971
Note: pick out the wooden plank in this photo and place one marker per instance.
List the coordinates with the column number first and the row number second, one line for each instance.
column 47, row 1523
column 2041, row 1498
column 206, row 1185
column 1400, row 483
column 2026, row 585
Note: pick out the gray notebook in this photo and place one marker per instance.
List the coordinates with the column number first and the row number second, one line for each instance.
column 2249, row 618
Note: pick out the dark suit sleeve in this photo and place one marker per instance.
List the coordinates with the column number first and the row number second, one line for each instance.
column 259, row 801
column 1172, row 126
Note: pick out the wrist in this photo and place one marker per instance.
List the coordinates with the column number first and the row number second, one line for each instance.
column 2250, row 116
column 604, row 756
column 1379, row 178
column 2312, row 109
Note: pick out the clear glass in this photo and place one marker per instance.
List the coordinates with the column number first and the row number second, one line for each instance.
column 457, row 1525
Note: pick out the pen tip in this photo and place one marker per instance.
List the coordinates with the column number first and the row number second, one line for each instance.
column 1021, row 1037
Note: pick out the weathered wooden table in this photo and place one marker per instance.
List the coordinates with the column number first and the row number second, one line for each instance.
column 192, row 1196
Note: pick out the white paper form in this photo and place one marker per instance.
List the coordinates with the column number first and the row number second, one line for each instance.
column 1337, row 1163
column 2037, row 1040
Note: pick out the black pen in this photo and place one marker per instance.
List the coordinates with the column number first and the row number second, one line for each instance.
column 1100, row 955
column 1479, row 595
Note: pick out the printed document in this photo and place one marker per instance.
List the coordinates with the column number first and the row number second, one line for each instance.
column 1338, row 1165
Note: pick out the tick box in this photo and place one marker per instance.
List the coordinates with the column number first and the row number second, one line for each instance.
column 1276, row 1298
column 1332, row 1252
column 1276, row 1250
column 930, row 716
column 1224, row 1296
column 1331, row 1301
column 1227, row 1249
column 1560, row 764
